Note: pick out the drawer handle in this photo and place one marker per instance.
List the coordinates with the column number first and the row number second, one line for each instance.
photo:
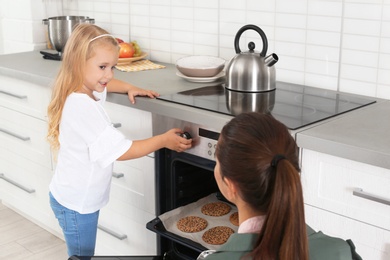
column 117, row 125
column 360, row 193
column 117, row 175
column 13, row 95
column 23, row 138
column 112, row 233
column 20, row 186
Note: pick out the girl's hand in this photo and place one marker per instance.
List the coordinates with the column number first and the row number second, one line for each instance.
column 175, row 142
column 135, row 91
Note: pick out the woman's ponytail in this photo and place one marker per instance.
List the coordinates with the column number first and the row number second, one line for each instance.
column 283, row 235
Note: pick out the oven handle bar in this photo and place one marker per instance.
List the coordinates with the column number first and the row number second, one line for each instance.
column 112, row 233
column 365, row 195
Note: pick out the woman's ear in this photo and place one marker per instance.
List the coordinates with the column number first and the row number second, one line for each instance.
column 231, row 189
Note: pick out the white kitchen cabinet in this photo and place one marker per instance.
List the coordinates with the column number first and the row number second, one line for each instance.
column 134, row 123
column 25, row 157
column 132, row 197
column 26, row 169
column 25, row 97
column 335, row 203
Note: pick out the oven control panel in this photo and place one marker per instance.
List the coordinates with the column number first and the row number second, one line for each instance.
column 205, row 144
column 204, row 139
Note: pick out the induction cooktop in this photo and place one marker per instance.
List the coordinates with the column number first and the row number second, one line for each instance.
column 294, row 105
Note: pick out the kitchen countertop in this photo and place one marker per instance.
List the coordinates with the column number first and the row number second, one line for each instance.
column 30, row 66
column 360, row 135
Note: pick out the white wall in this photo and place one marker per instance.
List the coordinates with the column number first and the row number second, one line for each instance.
column 335, row 44
column 21, row 25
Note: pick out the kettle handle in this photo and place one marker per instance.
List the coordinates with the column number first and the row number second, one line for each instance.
column 257, row 29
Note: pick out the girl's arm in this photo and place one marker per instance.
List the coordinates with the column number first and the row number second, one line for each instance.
column 119, row 86
column 169, row 139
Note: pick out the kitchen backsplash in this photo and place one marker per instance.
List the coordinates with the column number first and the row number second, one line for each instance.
column 334, row 44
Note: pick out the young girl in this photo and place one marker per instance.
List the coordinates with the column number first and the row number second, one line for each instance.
column 87, row 142
column 257, row 169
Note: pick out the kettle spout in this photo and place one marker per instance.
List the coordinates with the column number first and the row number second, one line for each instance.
column 271, row 59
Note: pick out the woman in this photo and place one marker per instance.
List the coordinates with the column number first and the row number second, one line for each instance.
column 257, row 169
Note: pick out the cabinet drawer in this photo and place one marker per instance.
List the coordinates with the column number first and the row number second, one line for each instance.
column 134, row 123
column 25, row 136
column 24, row 184
column 124, row 232
column 134, row 183
column 24, row 97
column 371, row 242
column 329, row 183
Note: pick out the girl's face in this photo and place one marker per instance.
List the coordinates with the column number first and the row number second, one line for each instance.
column 99, row 69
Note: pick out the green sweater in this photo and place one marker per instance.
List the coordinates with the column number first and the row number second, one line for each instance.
column 321, row 247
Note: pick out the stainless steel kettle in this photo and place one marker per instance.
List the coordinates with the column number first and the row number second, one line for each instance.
column 251, row 71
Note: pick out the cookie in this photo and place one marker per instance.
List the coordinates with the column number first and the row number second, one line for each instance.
column 217, row 235
column 234, row 218
column 191, row 224
column 216, row 209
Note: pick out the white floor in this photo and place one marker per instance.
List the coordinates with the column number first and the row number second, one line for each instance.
column 24, row 240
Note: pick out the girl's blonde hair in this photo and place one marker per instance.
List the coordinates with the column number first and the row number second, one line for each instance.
column 80, row 46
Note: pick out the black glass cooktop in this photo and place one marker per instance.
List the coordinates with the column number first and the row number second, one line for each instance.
column 294, row 105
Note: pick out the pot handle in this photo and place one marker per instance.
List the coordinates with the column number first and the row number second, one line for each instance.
column 45, row 21
column 90, row 20
column 257, row 29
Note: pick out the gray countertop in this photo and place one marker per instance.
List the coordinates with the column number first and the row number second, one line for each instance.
column 361, row 135
column 30, row 66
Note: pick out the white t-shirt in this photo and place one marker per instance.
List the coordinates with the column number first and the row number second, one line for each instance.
column 89, row 145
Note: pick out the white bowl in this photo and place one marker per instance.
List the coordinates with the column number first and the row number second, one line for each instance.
column 200, row 66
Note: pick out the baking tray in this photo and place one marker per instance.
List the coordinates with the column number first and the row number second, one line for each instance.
column 165, row 224
column 157, row 226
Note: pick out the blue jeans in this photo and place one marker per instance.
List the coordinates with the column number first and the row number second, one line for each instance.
column 79, row 229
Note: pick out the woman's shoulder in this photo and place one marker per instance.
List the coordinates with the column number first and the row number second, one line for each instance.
column 236, row 247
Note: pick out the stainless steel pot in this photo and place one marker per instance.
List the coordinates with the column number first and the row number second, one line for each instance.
column 60, row 28
column 251, row 71
column 242, row 102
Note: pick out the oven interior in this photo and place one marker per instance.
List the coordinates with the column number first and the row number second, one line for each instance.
column 181, row 178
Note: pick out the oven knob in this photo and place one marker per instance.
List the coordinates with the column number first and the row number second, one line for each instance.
column 186, row 135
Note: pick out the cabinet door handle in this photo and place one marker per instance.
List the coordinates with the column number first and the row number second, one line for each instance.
column 117, row 175
column 112, row 233
column 117, row 125
column 360, row 193
column 13, row 95
column 20, row 186
column 23, row 138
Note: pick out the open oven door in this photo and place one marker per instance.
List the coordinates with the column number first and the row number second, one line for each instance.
column 116, row 257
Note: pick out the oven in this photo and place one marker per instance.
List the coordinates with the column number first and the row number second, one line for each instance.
column 181, row 179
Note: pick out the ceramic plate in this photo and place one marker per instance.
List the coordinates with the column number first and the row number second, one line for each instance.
column 201, row 80
column 123, row 61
